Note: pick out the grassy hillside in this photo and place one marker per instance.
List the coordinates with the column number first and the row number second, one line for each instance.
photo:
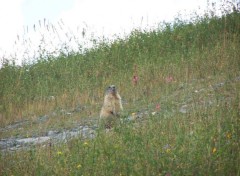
column 183, row 65
column 206, row 46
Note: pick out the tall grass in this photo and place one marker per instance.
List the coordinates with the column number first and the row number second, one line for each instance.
column 195, row 54
column 69, row 77
column 200, row 143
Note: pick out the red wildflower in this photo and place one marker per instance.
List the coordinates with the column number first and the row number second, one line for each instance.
column 135, row 80
column 169, row 79
column 158, row 106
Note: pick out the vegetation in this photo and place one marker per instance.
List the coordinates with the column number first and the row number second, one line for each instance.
column 193, row 65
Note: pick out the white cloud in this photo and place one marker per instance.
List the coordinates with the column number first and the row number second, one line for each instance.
column 112, row 17
column 11, row 20
column 101, row 18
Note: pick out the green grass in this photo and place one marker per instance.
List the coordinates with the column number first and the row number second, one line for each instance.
column 200, row 143
column 203, row 141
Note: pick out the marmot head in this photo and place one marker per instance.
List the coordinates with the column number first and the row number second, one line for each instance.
column 111, row 90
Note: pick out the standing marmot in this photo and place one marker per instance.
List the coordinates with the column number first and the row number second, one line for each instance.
column 112, row 104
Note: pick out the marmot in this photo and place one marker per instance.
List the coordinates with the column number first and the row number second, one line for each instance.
column 112, row 104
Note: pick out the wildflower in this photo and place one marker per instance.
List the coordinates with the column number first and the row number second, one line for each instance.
column 154, row 113
column 214, row 150
column 169, row 79
column 135, row 80
column 134, row 116
column 168, row 150
column 79, row 166
column 135, row 77
column 228, row 135
column 59, row 153
column 85, row 144
column 158, row 106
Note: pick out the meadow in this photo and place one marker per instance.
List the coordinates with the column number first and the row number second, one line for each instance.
column 185, row 103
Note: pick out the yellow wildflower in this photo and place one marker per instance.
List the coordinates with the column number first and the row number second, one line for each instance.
column 59, row 153
column 134, row 115
column 85, row 144
column 228, row 135
column 79, row 166
column 168, row 150
column 214, row 150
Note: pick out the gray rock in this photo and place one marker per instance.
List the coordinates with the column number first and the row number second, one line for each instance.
column 184, row 109
column 12, row 144
column 37, row 140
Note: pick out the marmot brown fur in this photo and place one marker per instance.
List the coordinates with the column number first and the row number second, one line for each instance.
column 112, row 104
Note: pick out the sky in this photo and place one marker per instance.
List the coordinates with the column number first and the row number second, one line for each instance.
column 23, row 22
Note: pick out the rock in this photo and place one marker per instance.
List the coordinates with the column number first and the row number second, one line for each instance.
column 12, row 144
column 33, row 141
column 183, row 109
column 154, row 113
column 216, row 86
column 15, row 125
column 52, row 133
column 237, row 78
